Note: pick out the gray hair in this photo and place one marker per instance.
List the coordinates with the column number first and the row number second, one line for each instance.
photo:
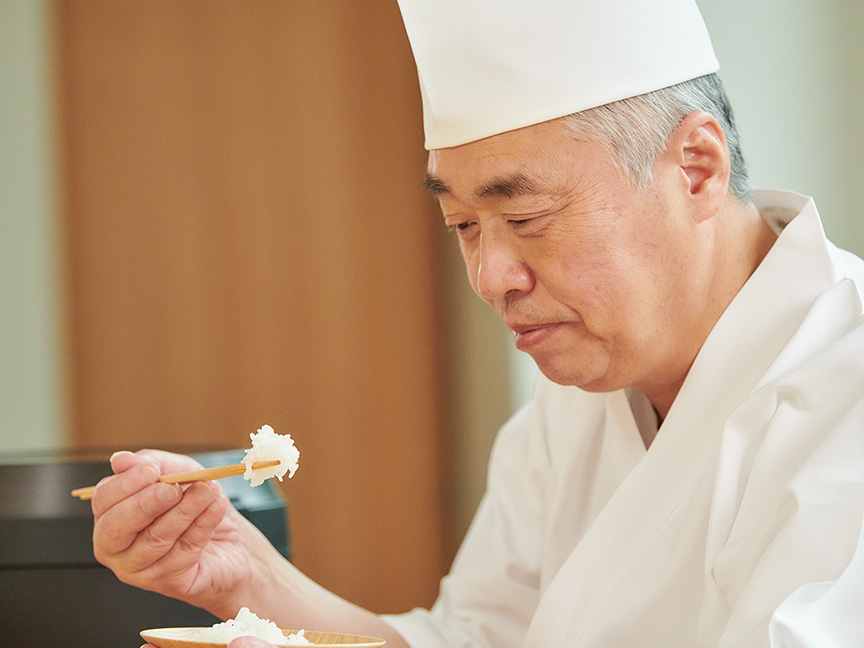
column 636, row 130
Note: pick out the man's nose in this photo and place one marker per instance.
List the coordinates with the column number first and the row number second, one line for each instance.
column 501, row 268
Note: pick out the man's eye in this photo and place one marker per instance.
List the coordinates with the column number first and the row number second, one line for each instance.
column 459, row 227
column 522, row 223
column 530, row 225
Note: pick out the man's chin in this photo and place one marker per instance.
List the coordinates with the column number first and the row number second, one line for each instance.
column 591, row 379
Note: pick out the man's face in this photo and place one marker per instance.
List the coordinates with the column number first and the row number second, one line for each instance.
column 588, row 273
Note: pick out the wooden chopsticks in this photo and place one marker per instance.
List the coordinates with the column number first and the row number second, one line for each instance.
column 205, row 474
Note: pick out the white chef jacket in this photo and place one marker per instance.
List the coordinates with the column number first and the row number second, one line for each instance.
column 739, row 527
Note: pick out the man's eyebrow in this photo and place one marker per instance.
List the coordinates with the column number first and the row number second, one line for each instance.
column 510, row 186
column 435, row 186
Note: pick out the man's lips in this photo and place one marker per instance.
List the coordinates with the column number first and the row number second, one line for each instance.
column 528, row 336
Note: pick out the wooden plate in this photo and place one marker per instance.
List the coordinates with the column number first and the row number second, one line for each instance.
column 182, row 638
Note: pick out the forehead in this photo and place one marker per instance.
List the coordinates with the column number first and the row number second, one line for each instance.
column 532, row 160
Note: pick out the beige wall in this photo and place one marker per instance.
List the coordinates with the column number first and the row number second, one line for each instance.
column 794, row 71
column 31, row 401
column 248, row 241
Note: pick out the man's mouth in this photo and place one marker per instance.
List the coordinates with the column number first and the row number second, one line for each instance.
column 528, row 336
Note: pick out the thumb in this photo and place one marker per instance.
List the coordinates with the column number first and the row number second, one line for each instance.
column 249, row 642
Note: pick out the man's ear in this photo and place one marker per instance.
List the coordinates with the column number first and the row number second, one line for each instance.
column 698, row 149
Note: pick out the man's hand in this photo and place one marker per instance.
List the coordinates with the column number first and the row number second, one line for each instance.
column 183, row 542
column 191, row 544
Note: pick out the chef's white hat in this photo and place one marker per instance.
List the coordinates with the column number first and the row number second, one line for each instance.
column 490, row 66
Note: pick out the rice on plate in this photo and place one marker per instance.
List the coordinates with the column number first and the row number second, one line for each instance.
column 249, row 624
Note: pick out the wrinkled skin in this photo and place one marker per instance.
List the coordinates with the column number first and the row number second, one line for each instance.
column 186, row 540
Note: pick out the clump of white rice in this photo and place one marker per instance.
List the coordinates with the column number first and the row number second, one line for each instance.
column 297, row 639
column 269, row 446
column 248, row 624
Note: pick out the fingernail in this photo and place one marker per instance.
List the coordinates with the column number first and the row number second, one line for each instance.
column 118, row 453
column 202, row 491
column 167, row 492
column 148, row 472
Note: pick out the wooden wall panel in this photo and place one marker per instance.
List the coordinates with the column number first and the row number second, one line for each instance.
column 248, row 243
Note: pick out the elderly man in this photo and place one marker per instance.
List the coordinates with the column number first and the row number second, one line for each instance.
column 690, row 471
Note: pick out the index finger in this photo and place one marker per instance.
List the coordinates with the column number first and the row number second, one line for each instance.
column 112, row 490
column 123, row 462
column 168, row 462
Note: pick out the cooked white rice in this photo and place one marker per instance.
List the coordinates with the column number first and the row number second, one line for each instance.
column 248, row 624
column 297, row 639
column 267, row 446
